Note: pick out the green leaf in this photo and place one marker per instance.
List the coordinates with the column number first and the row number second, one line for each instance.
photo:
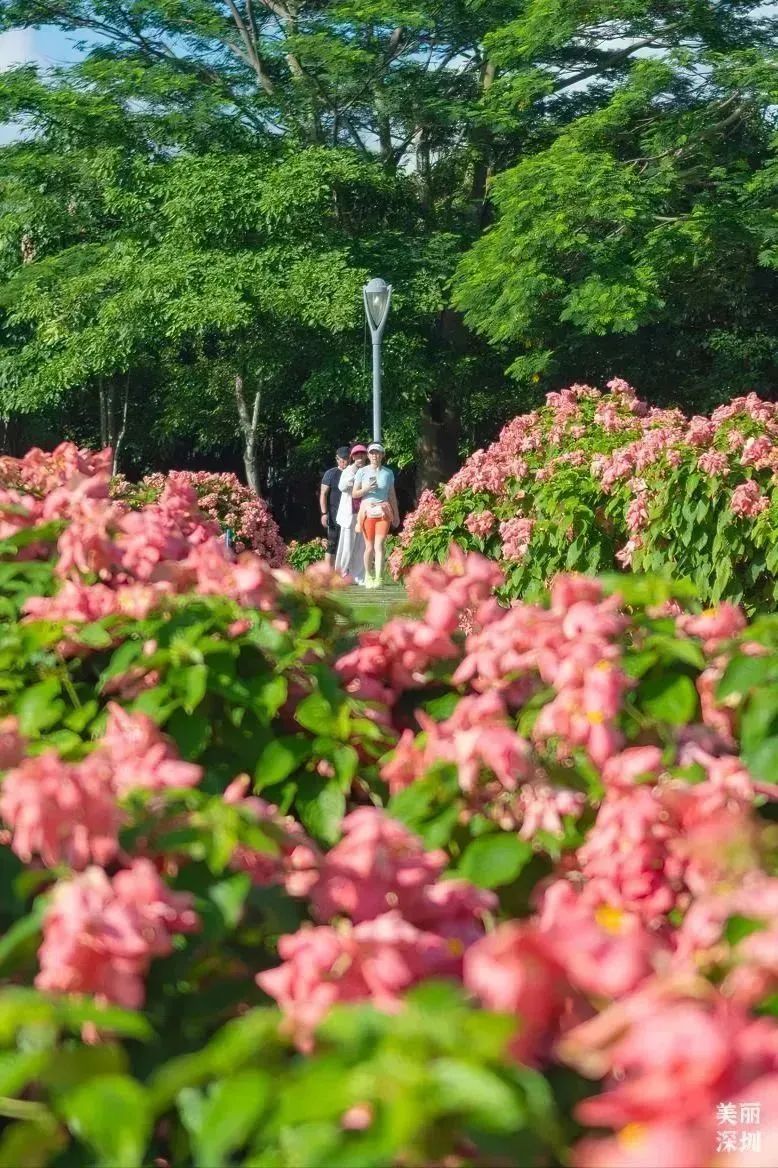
column 31, row 1144
column 279, row 759
column 94, row 636
column 321, row 807
column 759, row 720
column 762, row 760
column 443, row 707
column 39, row 706
column 22, row 931
column 738, row 927
column 493, row 860
column 743, row 673
column 18, row 1068
column 268, row 695
column 669, row 698
column 414, row 803
column 112, row 1115
column 192, row 683
column 75, row 1013
column 229, row 896
column 477, row 1093
column 227, row 1116
column 70, row 1067
column 315, row 713
column 191, row 733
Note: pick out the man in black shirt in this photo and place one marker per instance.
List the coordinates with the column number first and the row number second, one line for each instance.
column 329, row 501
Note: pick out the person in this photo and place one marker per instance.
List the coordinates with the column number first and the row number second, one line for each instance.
column 329, row 501
column 350, row 557
column 374, row 487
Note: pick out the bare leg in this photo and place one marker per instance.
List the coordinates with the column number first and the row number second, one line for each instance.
column 379, row 555
column 329, row 560
column 368, row 558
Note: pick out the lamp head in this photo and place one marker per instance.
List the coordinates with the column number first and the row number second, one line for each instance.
column 377, row 294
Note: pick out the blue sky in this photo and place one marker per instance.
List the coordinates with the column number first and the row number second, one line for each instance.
column 45, row 46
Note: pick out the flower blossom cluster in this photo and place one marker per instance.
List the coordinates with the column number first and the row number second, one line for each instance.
column 224, row 499
column 609, row 469
column 69, row 813
column 115, row 560
column 623, row 929
column 393, row 922
column 101, row 933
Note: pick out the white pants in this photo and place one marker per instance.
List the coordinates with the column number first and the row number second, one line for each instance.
column 350, row 557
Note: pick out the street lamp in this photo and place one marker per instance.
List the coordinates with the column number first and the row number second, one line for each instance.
column 377, row 295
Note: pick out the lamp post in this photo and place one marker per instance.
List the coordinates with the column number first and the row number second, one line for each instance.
column 377, row 295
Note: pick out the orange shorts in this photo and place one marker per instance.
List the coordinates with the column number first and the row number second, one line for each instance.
column 373, row 527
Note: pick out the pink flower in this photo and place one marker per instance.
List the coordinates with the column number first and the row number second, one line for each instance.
column 516, row 535
column 295, row 863
column 478, row 737
column 142, row 756
column 622, row 770
column 714, row 625
column 627, row 860
column 748, row 501
column 377, row 866
column 713, row 463
column 605, row 952
column 163, row 913
column 626, row 554
column 99, row 935
column 513, row 970
column 397, row 657
column 757, row 451
column 569, row 589
column 455, row 910
column 86, row 546
column 61, row 812
column 376, row 961
column 701, row 431
column 480, row 523
column 673, row 1145
column 637, row 514
column 465, row 581
column 541, row 807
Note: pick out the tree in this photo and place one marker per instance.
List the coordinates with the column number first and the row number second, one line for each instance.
column 646, row 218
column 594, row 180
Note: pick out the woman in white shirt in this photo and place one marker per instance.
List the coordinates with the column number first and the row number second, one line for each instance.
column 349, row 560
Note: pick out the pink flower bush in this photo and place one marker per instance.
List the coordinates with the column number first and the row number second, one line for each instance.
column 114, row 560
column 225, row 500
column 395, row 923
column 60, row 812
column 140, row 756
column 100, row 935
column 554, row 807
column 674, row 1055
column 377, row 961
column 598, row 481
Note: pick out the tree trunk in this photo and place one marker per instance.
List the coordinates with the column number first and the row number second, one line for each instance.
column 482, row 140
column 117, row 439
column 104, row 439
column 438, row 446
column 249, row 424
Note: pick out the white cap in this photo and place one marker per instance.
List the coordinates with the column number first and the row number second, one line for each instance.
column 376, row 446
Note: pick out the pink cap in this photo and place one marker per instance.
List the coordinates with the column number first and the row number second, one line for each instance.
column 359, row 449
